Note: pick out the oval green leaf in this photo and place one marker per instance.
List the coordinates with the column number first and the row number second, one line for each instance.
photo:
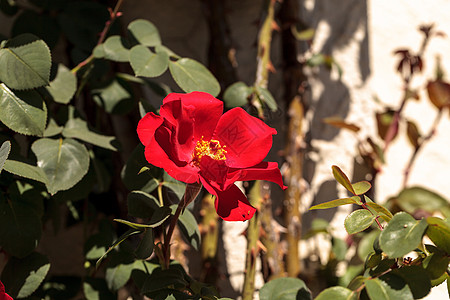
column 113, row 49
column 361, row 187
column 25, row 170
column 336, row 293
column 145, row 33
column 64, row 162
column 388, row 287
column 25, row 62
column 358, row 221
column 266, row 97
column 285, row 289
column 416, row 197
column 145, row 247
column 342, row 179
column 24, row 112
column 141, row 204
column 147, row 63
column 402, row 235
column 237, row 94
column 381, row 210
column 64, row 86
column 188, row 227
column 191, row 76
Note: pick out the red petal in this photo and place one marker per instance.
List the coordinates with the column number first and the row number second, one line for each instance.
column 206, row 111
column 147, row 126
column 263, row 171
column 159, row 157
column 231, row 204
column 247, row 139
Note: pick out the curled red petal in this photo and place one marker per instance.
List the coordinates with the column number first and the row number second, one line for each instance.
column 179, row 170
column 206, row 109
column 263, row 171
column 231, row 204
column 3, row 294
column 247, row 139
column 147, row 126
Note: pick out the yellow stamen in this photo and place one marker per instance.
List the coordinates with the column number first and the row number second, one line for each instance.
column 211, row 148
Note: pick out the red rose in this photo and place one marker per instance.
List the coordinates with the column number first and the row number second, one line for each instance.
column 3, row 294
column 194, row 142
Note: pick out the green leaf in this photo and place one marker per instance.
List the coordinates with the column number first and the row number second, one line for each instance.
column 20, row 226
column 285, row 289
column 122, row 238
column 342, row 179
column 336, row 203
column 158, row 217
column 336, row 293
column 64, row 162
column 361, row 187
column 177, row 187
column 237, row 94
column 52, row 129
column 141, row 204
column 439, row 232
column 64, row 86
column 118, row 270
column 365, row 246
column 78, row 128
column 191, row 76
column 402, row 235
column 304, row 35
column 24, row 276
column 25, row 62
column 4, row 152
column 145, row 247
column 161, row 279
column 381, row 210
column 113, row 49
column 388, row 287
column 147, row 63
column 25, row 170
column 416, row 278
column 189, row 227
column 145, row 33
column 436, row 263
column 23, row 111
column 414, row 198
column 358, row 221
column 115, row 97
column 97, row 289
column 266, row 97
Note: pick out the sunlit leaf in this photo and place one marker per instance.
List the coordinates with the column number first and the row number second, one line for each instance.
column 341, row 123
column 388, row 287
column 342, row 179
column 64, row 162
column 25, row 62
column 381, row 210
column 439, row 232
column 191, row 76
column 118, row 270
column 361, row 187
column 402, row 235
column 419, row 198
column 97, row 289
column 24, row 276
column 439, row 93
column 358, row 221
column 304, row 35
column 145, row 32
column 147, row 63
column 23, row 111
column 335, row 203
column 285, row 289
column 337, row 293
column 64, row 86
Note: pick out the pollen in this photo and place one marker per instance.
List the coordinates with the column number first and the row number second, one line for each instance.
column 211, row 148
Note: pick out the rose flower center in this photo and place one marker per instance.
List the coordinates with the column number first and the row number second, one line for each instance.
column 211, row 148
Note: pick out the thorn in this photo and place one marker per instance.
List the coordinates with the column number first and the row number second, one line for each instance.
column 261, row 246
column 270, row 67
column 275, row 26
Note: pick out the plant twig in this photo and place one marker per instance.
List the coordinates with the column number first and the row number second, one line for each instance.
column 419, row 146
column 113, row 15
